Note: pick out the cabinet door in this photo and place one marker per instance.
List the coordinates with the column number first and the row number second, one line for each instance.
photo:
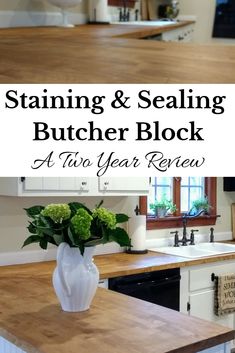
column 139, row 185
column 222, row 348
column 183, row 34
column 33, row 184
column 202, row 306
column 103, row 283
column 8, row 347
column 56, row 185
column 40, row 184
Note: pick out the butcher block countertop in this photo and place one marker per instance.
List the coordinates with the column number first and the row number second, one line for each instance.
column 31, row 318
column 122, row 264
column 109, row 54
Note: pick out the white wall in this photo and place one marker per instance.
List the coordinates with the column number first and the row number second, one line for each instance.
column 204, row 10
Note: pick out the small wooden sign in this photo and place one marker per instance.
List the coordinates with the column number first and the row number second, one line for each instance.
column 233, row 219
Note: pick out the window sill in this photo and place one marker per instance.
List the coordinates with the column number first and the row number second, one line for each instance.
column 129, row 3
column 176, row 222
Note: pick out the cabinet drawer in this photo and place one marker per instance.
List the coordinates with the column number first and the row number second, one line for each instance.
column 200, row 278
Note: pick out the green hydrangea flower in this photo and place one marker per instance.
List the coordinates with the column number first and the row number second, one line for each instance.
column 57, row 212
column 105, row 216
column 82, row 223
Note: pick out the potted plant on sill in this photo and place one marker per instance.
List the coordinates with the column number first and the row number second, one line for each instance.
column 162, row 207
column 201, row 205
column 75, row 229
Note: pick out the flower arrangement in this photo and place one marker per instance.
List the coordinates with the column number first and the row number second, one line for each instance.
column 75, row 224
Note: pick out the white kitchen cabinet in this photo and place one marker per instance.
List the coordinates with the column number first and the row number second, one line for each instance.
column 117, row 185
column 73, row 186
column 201, row 305
column 182, row 34
column 55, row 184
column 222, row 348
column 197, row 291
column 8, row 347
column 104, row 283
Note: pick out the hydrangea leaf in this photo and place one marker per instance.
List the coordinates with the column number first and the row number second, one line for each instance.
column 43, row 243
column 32, row 239
column 120, row 236
column 31, row 228
column 121, row 218
column 34, row 211
column 58, row 238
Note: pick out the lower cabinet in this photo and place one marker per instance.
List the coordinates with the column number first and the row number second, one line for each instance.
column 8, row 347
column 222, row 348
column 197, row 292
column 182, row 34
column 201, row 305
column 103, row 283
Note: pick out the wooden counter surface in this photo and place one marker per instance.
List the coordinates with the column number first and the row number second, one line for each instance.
column 31, row 318
column 122, row 264
column 108, row 54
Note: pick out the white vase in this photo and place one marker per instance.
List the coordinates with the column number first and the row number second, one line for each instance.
column 64, row 5
column 75, row 279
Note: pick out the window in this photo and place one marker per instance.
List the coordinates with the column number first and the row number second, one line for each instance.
column 160, row 188
column 191, row 188
column 182, row 191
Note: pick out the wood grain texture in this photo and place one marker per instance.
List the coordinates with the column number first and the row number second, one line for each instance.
column 31, row 319
column 122, row 264
column 108, row 54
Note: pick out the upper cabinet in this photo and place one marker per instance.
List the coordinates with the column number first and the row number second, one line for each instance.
column 229, row 184
column 123, row 185
column 73, row 186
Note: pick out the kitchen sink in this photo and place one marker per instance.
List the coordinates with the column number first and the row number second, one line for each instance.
column 146, row 23
column 198, row 250
column 218, row 247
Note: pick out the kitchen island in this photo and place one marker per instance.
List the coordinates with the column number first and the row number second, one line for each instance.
column 109, row 54
column 31, row 321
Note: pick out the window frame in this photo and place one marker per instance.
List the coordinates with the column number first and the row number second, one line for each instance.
column 175, row 221
column 119, row 3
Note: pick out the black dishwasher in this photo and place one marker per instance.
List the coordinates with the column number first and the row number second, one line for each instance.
column 158, row 287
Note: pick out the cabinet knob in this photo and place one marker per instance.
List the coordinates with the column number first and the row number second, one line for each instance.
column 106, row 184
column 84, row 183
